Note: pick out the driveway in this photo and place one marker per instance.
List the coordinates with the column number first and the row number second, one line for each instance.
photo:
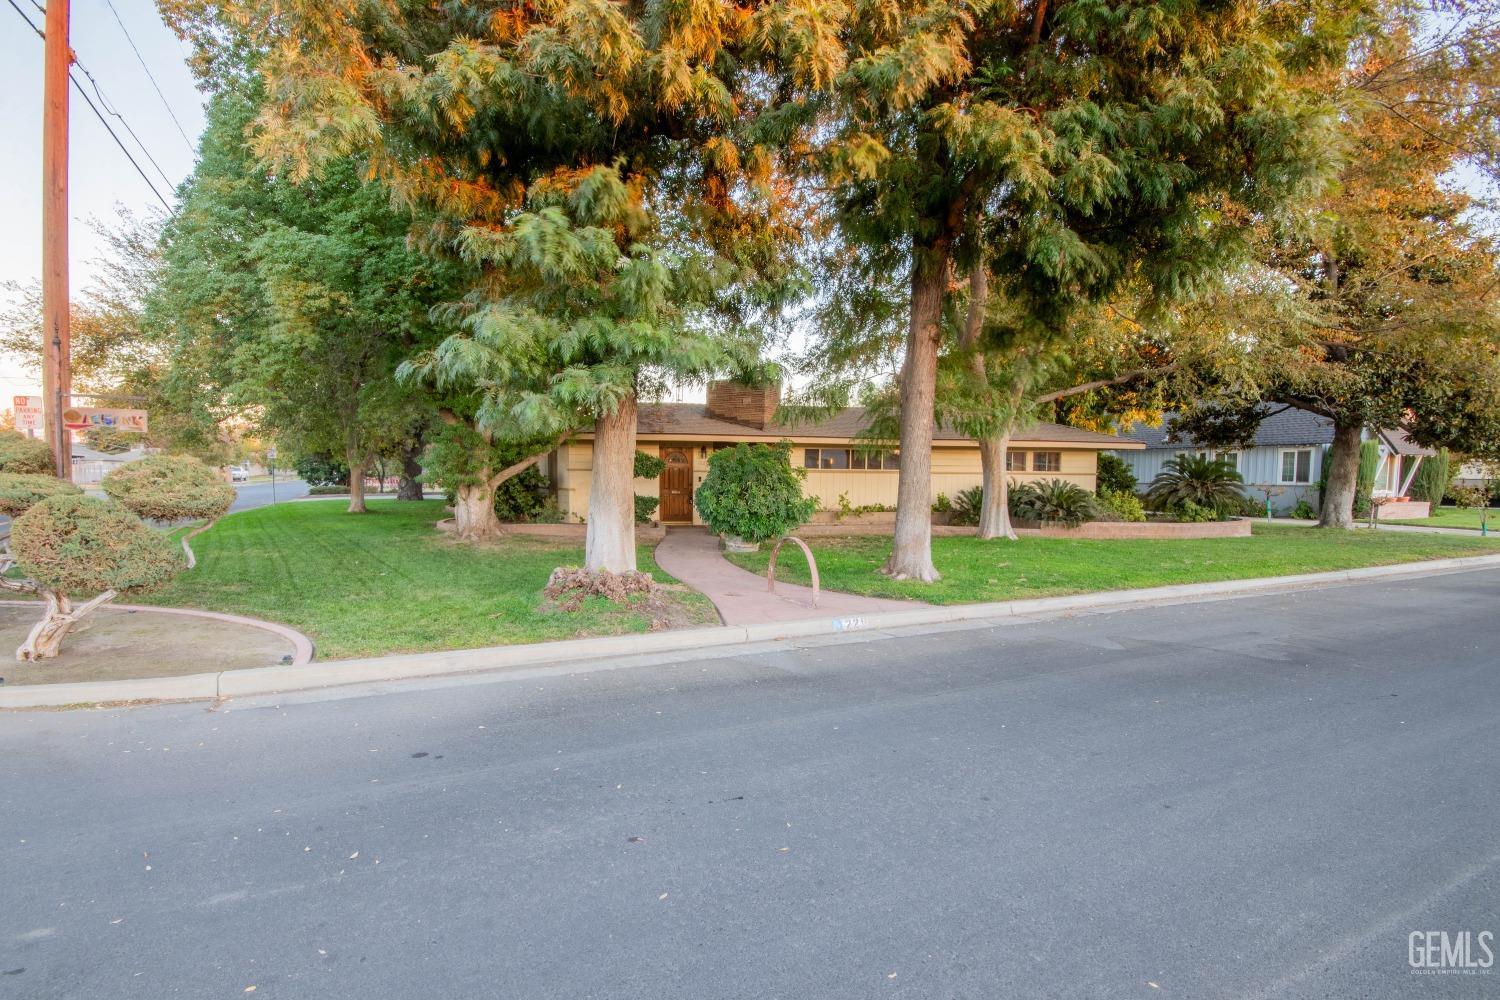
column 1238, row 799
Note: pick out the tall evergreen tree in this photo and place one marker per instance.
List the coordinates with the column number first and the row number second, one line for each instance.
column 1067, row 147
column 585, row 155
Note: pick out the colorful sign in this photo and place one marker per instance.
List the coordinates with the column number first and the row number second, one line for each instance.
column 83, row 418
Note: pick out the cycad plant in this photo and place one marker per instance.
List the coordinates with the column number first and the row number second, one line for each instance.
column 1201, row 479
column 1055, row 501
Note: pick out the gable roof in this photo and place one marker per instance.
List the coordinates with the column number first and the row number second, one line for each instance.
column 1282, row 428
column 692, row 420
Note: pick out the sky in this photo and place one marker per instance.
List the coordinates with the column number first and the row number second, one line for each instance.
column 102, row 178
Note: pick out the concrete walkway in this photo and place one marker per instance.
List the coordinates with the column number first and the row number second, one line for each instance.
column 692, row 556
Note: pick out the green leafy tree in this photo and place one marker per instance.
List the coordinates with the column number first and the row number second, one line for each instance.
column 1379, row 310
column 298, row 302
column 1067, row 148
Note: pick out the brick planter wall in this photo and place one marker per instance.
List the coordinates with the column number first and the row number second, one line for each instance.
column 1403, row 510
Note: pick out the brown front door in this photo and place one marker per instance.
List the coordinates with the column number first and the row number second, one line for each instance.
column 677, row 485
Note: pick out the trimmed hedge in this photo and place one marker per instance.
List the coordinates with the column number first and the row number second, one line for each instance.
column 83, row 545
column 20, row 491
column 169, row 488
column 25, row 455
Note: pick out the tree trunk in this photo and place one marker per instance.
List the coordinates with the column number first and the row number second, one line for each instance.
column 46, row 638
column 356, row 484
column 610, row 543
column 994, row 513
column 410, row 487
column 1343, row 474
column 474, row 518
column 911, row 546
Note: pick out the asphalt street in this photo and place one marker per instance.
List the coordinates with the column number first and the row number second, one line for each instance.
column 1250, row 798
column 261, row 494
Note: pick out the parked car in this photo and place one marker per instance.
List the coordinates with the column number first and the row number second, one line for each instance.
column 239, row 474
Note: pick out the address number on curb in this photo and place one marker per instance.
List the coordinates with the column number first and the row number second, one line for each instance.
column 848, row 624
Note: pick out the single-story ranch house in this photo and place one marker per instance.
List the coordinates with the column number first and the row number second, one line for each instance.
column 1285, row 459
column 684, row 435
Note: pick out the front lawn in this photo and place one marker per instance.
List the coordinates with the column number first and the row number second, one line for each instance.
column 387, row 581
column 1454, row 517
column 975, row 570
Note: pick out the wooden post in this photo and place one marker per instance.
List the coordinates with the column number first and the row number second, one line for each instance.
column 57, row 381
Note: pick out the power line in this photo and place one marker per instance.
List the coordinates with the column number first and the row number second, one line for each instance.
column 99, row 114
column 105, row 122
column 107, row 107
column 170, row 113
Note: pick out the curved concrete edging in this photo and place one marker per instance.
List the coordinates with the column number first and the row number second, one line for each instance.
column 182, row 686
column 335, row 673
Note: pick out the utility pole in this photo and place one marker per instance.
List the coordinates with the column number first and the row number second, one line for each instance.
column 57, row 376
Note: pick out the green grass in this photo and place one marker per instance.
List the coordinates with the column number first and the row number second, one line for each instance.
column 1455, row 517
column 974, row 570
column 387, row 581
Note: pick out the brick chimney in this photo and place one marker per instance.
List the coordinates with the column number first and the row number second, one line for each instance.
column 744, row 404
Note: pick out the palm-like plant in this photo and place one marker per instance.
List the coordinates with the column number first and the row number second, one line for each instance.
column 1055, row 501
column 1201, row 479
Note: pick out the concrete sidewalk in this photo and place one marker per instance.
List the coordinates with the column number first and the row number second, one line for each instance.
column 692, row 556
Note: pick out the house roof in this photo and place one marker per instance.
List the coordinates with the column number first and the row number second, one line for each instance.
column 1282, row 428
column 692, row 421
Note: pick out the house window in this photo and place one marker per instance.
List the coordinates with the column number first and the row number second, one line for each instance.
column 1015, row 461
column 1296, row 465
column 1046, row 461
column 1231, row 457
column 849, row 458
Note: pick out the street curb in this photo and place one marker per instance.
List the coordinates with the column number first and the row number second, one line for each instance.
column 335, row 673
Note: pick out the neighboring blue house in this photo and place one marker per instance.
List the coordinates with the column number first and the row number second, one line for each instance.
column 1285, row 461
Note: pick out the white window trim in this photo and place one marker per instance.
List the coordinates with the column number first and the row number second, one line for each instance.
column 1281, row 464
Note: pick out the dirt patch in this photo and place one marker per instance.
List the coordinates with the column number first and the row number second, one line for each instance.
column 115, row 644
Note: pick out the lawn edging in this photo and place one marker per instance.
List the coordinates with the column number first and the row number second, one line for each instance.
column 407, row 666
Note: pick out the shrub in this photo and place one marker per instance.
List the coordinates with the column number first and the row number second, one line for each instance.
column 77, row 544
column 967, row 505
column 1472, row 497
column 1433, row 478
column 25, row 455
column 1364, row 482
column 1115, row 474
column 520, row 498
column 942, row 504
column 645, row 507
column 331, row 490
column 648, row 466
column 550, row 513
column 1304, row 511
column 322, row 470
column 1055, row 501
column 753, row 492
column 19, row 491
column 1122, row 504
column 1200, row 479
column 169, row 488
column 1194, row 513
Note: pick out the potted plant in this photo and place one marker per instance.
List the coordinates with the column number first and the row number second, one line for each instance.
column 752, row 493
